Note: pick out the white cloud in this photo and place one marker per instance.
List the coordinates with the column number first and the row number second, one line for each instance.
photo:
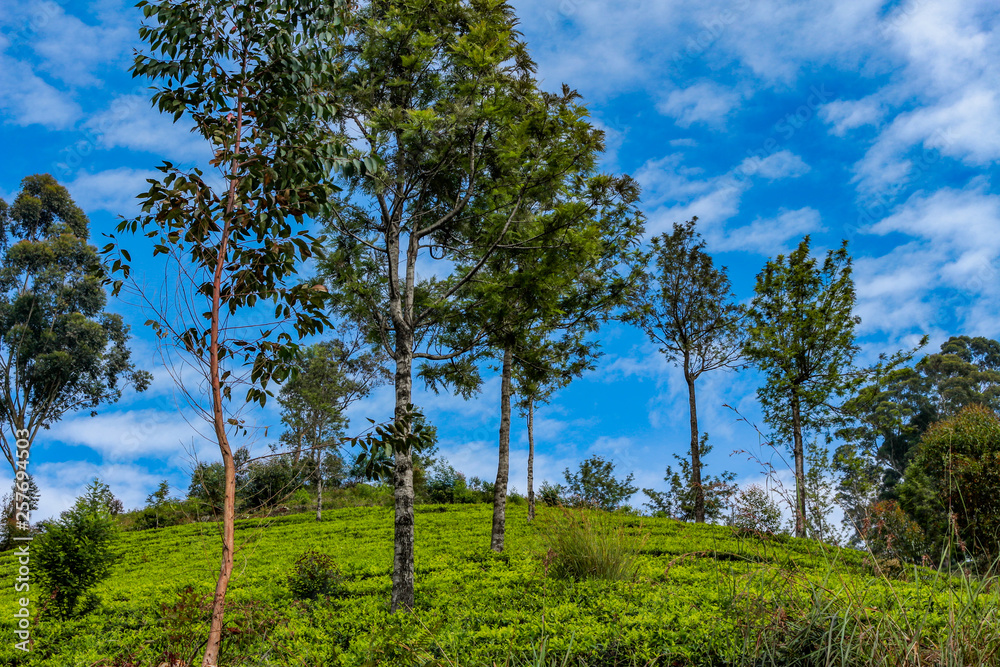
column 950, row 267
column 26, row 99
column 845, row 115
column 130, row 122
column 948, row 55
column 114, row 190
column 704, row 102
column 61, row 483
column 782, row 164
column 713, row 199
column 769, row 236
column 121, row 436
column 71, row 49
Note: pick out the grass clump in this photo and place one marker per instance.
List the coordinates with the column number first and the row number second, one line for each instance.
column 314, row 575
column 582, row 544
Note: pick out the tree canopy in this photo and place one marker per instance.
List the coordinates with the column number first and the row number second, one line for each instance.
column 442, row 95
column 60, row 350
column 685, row 304
column 801, row 336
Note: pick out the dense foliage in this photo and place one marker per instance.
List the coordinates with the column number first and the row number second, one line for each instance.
column 60, row 350
column 594, row 485
column 74, row 553
column 952, row 487
column 313, row 575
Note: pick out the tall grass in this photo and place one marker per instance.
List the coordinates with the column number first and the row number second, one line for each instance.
column 790, row 620
column 589, row 544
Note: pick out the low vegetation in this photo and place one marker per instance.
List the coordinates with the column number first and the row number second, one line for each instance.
column 659, row 592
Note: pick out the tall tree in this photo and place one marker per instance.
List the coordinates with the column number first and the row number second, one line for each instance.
column 442, row 93
column 253, row 77
column 885, row 421
column 686, row 306
column 542, row 297
column 60, row 351
column 544, row 291
column 557, row 357
column 801, row 336
column 331, row 376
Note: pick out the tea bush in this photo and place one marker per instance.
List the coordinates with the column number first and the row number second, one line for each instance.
column 701, row 595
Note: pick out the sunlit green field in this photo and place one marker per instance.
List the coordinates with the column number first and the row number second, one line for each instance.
column 703, row 595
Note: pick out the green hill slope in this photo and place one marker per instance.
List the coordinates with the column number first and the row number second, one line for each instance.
column 703, row 595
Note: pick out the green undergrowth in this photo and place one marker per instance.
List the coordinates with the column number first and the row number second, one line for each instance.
column 700, row 595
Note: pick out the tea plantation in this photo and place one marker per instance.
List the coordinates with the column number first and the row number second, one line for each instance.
column 702, row 595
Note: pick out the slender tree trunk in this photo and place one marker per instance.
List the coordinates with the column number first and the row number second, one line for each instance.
column 503, row 466
column 211, row 656
column 531, row 459
column 800, row 468
column 319, row 486
column 402, row 566
column 696, row 486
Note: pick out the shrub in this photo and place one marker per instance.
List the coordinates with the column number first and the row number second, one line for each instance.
column 208, row 487
column 755, row 510
column 952, row 487
column 551, row 494
column 679, row 501
column 268, row 483
column 890, row 534
column 447, row 485
column 594, row 485
column 586, row 545
column 23, row 499
column 300, row 499
column 482, row 490
column 161, row 510
column 74, row 554
column 314, row 574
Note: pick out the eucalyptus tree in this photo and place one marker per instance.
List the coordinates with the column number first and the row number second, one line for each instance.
column 441, row 93
column 801, row 336
column 60, row 350
column 331, row 376
column 253, row 79
column 685, row 305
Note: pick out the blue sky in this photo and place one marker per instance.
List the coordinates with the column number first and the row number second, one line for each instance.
column 871, row 121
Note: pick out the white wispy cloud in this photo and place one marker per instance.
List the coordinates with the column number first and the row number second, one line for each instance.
column 769, row 236
column 112, row 190
column 130, row 122
column 704, row 102
column 27, row 99
column 846, row 115
column 713, row 199
column 948, row 267
column 70, row 49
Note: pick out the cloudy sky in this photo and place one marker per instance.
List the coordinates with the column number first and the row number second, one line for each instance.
column 876, row 122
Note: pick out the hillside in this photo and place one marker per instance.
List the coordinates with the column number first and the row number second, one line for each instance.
column 703, row 595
